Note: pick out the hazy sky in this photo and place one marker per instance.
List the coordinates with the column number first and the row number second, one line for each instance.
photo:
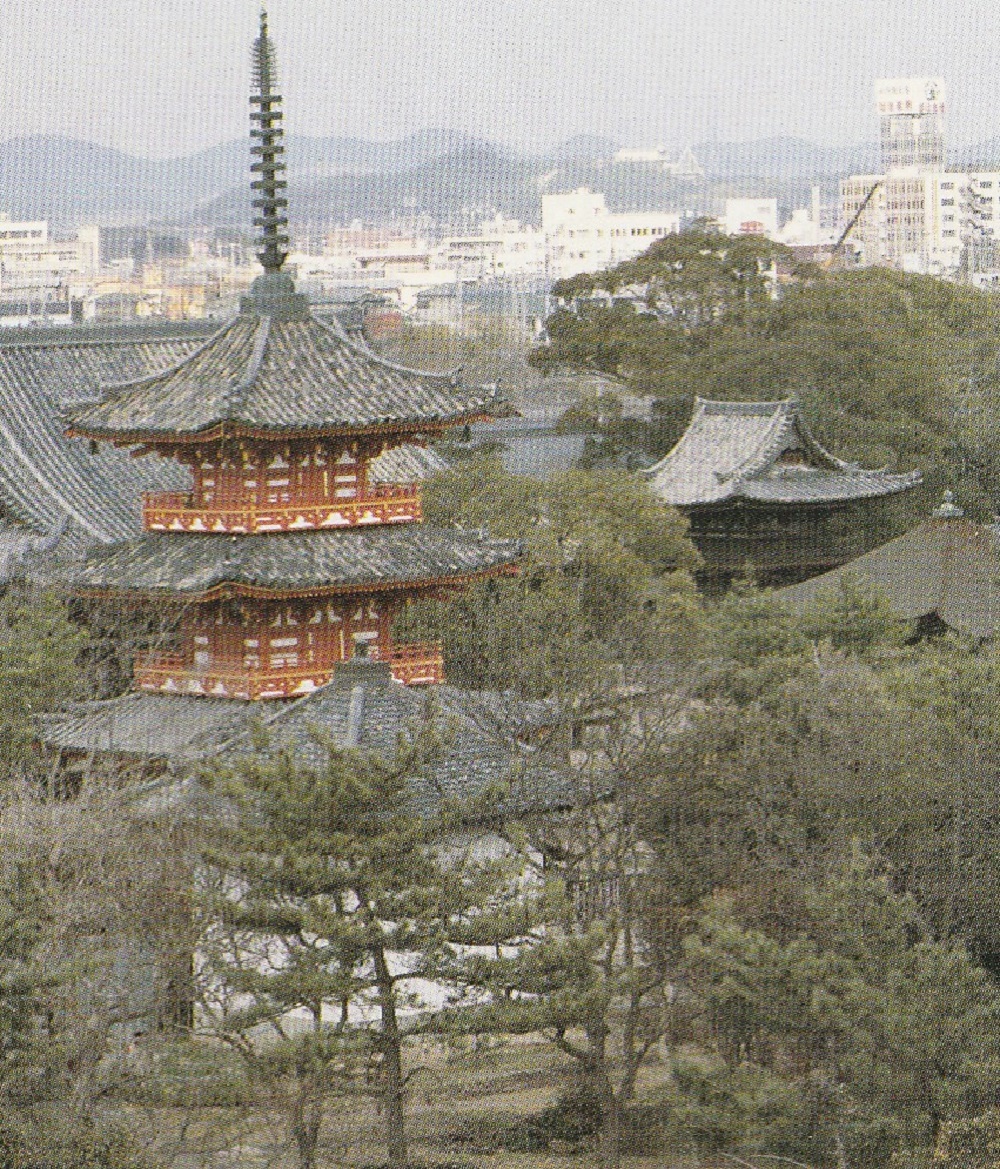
column 160, row 77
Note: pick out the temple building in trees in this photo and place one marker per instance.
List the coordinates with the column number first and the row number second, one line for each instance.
column 762, row 494
column 283, row 556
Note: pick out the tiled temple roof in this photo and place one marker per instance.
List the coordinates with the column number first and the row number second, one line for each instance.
column 269, row 375
column 49, row 483
column 734, row 450
column 317, row 562
column 361, row 707
column 944, row 567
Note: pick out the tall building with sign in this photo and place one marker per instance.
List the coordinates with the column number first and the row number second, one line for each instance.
column 911, row 123
column 916, row 215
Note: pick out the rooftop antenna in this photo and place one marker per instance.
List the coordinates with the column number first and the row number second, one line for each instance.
column 266, row 134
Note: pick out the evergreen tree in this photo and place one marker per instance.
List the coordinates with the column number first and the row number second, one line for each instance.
column 332, row 894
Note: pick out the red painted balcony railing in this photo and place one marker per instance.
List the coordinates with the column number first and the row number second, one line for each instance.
column 176, row 674
column 180, row 511
column 419, row 664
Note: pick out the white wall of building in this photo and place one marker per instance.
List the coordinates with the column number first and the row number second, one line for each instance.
column 922, row 222
column 751, row 217
column 582, row 235
column 501, row 247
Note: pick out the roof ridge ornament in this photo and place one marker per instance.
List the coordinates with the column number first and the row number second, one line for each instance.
column 272, row 294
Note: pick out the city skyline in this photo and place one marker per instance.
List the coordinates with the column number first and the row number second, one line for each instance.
column 160, row 81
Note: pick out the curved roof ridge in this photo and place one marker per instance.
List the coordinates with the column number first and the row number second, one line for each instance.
column 85, row 342
column 744, row 406
column 364, row 350
column 729, row 448
column 291, row 375
column 113, row 389
column 818, row 449
column 782, row 420
column 68, row 508
column 699, row 410
column 238, row 392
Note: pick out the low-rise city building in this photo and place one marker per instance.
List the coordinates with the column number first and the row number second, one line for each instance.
column 44, row 280
column 751, row 217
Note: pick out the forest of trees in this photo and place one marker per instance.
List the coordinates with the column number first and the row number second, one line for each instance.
column 759, row 925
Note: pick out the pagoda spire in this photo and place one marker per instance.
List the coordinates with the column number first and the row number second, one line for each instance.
column 266, row 134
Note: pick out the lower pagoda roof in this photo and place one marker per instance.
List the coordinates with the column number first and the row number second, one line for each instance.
column 206, row 566
column 761, row 453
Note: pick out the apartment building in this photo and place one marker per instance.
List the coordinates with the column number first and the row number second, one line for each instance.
column 44, row 279
column 582, row 235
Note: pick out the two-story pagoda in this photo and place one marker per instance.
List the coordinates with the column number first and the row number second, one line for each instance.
column 283, row 556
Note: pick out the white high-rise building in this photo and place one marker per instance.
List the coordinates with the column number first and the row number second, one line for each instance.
column 911, row 123
column 918, row 216
column 582, row 235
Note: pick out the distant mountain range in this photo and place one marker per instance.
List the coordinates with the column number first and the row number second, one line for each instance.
column 440, row 173
column 69, row 181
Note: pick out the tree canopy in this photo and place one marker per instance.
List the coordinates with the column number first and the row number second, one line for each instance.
column 605, row 578
column 891, row 368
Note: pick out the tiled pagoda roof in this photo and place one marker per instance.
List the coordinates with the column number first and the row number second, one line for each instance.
column 198, row 566
column 51, row 484
column 280, row 374
column 361, row 707
column 733, row 451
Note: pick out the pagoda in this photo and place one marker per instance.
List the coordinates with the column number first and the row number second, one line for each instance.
column 285, row 556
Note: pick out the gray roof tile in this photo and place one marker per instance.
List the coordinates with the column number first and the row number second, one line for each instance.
column 362, row 707
column 947, row 567
column 263, row 374
column 407, row 463
column 731, row 451
column 45, row 477
column 321, row 562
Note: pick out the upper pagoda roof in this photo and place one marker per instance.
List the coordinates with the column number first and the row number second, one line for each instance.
column 314, row 563
column 761, row 452
column 273, row 373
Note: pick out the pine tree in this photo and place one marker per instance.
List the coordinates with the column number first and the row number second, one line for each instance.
column 327, row 893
